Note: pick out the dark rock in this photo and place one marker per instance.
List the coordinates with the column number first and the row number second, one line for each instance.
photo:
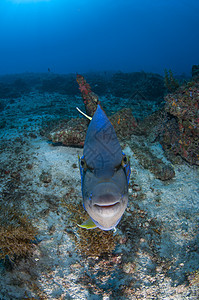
column 163, row 172
column 45, row 177
column 195, row 71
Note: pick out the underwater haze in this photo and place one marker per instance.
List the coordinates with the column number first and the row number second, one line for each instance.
column 93, row 35
column 99, row 149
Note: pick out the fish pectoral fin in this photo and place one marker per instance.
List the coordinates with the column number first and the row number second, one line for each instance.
column 88, row 224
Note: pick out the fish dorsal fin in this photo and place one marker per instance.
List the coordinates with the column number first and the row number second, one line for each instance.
column 88, row 224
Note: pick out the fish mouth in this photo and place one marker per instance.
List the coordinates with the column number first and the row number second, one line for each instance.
column 107, row 206
column 108, row 209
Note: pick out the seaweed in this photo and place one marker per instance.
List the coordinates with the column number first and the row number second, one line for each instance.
column 93, row 242
column 17, row 235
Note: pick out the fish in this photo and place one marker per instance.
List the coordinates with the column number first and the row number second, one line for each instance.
column 105, row 173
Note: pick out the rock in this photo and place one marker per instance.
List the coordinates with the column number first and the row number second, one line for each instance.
column 181, row 131
column 149, row 161
column 164, row 172
column 72, row 134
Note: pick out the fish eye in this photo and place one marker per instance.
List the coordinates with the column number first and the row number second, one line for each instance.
column 124, row 161
column 83, row 164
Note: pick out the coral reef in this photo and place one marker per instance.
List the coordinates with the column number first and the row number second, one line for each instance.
column 181, row 133
column 90, row 99
column 156, row 256
column 74, row 131
column 170, row 82
column 195, row 71
column 124, row 123
column 72, row 134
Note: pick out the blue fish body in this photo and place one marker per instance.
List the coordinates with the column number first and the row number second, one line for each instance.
column 105, row 173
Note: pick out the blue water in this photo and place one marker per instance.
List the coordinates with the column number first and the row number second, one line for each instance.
column 91, row 35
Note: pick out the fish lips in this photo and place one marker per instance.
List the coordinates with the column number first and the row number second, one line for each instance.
column 106, row 204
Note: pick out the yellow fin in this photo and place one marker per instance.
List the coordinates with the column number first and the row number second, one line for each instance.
column 88, row 224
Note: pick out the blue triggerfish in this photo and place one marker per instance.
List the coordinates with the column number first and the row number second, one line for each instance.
column 105, row 173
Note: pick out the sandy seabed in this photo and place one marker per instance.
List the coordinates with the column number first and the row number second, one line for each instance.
column 157, row 253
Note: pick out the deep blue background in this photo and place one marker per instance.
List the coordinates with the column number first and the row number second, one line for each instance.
column 92, row 35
